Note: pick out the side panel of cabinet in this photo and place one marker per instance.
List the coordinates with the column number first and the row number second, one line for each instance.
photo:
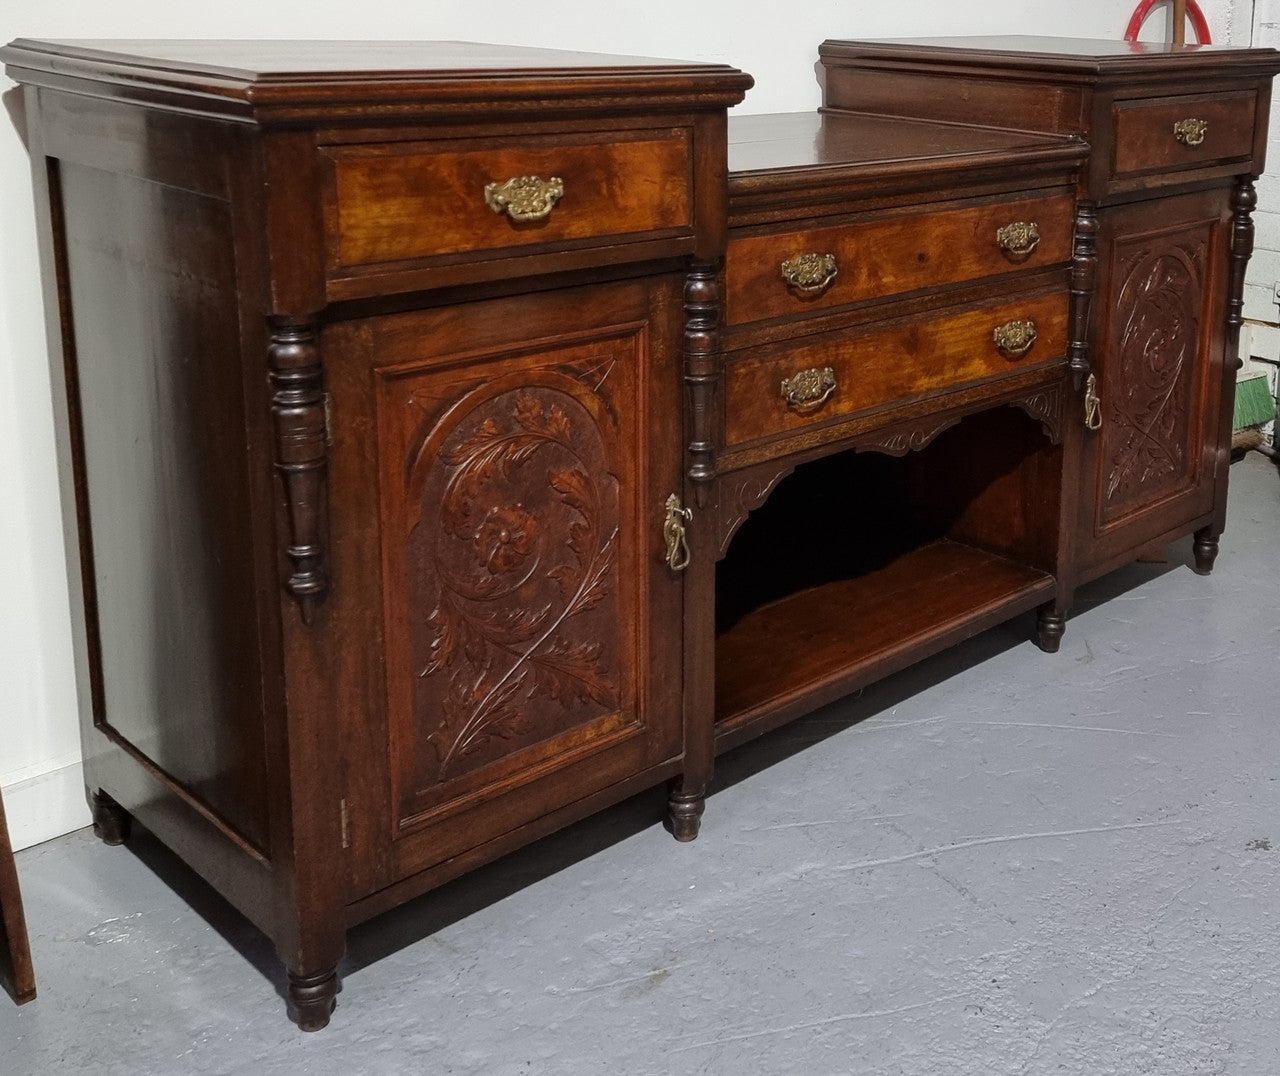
column 524, row 652
column 1150, row 471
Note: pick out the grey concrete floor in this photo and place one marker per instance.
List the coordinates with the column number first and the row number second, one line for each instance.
column 998, row 862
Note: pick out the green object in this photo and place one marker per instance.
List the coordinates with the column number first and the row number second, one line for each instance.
column 1255, row 406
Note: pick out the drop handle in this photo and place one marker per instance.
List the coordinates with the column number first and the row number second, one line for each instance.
column 1190, row 132
column 1014, row 339
column 1092, row 405
column 810, row 273
column 1019, row 238
column 809, row 389
column 673, row 534
column 524, row 198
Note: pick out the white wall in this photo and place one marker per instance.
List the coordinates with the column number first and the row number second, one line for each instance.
column 774, row 41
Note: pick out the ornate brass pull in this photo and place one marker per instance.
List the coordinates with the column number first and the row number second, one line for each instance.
column 1019, row 238
column 673, row 534
column 1092, row 405
column 809, row 389
column 1190, row 132
column 810, row 273
column 524, row 198
column 1014, row 338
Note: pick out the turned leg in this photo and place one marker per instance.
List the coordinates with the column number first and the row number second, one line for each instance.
column 110, row 821
column 685, row 805
column 311, row 997
column 1205, row 549
column 1051, row 622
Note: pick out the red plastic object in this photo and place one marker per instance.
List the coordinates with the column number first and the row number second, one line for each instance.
column 1140, row 13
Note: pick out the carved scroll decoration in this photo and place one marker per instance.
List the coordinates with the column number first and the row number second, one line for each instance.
column 702, row 372
column 741, row 494
column 297, row 407
column 1047, row 406
column 1084, row 275
column 1149, row 391
column 514, row 563
column 900, row 441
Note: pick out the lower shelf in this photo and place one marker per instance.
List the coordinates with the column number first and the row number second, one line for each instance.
column 813, row 646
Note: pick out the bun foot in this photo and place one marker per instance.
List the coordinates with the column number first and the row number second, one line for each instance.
column 684, row 813
column 311, row 998
column 1205, row 549
column 111, row 822
column 1050, row 626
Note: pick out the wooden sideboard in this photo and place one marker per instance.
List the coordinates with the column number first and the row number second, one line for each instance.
column 463, row 438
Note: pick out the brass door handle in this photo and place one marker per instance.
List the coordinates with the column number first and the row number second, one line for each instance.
column 1019, row 238
column 810, row 273
column 1190, row 132
column 673, row 534
column 524, row 198
column 1092, row 405
column 1014, row 338
column 809, row 389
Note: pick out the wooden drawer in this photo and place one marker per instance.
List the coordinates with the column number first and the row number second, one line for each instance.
column 1174, row 134
column 897, row 362
column 893, row 255
column 404, row 202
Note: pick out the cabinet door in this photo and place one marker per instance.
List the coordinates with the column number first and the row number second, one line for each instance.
column 1151, row 471
column 508, row 467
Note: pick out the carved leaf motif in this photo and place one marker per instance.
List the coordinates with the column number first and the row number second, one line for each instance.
column 530, row 414
column 499, row 635
column 467, row 727
column 490, row 449
column 1150, row 397
column 571, row 672
column 575, row 488
column 445, row 630
column 592, row 585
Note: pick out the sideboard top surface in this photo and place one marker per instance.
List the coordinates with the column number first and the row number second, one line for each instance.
column 833, row 157
column 854, row 140
column 298, row 80
column 1072, row 59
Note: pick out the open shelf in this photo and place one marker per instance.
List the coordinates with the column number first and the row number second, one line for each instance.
column 815, row 645
column 860, row 564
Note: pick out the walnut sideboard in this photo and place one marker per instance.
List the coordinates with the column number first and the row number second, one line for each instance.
column 461, row 438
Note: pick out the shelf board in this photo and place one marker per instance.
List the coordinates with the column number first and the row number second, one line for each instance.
column 811, row 647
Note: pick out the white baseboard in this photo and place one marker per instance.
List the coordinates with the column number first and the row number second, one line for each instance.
column 46, row 805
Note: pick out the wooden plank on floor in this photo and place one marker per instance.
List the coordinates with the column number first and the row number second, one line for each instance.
column 16, row 973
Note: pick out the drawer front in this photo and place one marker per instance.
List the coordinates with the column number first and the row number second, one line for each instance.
column 837, row 376
column 1174, row 134
column 410, row 201
column 892, row 255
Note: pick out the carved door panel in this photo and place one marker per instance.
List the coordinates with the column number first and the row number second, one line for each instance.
column 1150, row 470
column 530, row 627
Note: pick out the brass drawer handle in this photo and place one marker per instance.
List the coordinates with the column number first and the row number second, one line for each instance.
column 524, row 198
column 1019, row 238
column 809, row 389
column 1014, row 338
column 1190, row 132
column 810, row 273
